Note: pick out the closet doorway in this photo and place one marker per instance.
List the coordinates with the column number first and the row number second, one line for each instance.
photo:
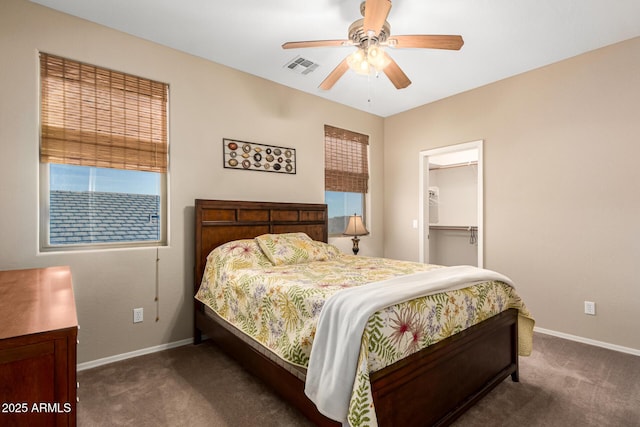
column 450, row 220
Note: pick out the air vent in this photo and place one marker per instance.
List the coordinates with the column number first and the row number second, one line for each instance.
column 301, row 65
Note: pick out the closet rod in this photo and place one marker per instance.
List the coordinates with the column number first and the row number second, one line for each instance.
column 453, row 227
column 473, row 231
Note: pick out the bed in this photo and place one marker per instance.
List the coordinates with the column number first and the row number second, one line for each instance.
column 432, row 386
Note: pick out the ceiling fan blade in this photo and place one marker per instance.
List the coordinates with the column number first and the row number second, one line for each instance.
column 333, row 77
column 316, row 43
column 395, row 74
column 426, row 41
column 375, row 15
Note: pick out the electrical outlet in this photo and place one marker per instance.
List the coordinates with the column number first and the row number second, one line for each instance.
column 138, row 315
column 590, row 308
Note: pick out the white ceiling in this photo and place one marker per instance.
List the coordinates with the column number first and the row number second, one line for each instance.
column 502, row 38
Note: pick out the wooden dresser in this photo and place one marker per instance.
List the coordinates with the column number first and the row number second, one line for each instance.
column 38, row 336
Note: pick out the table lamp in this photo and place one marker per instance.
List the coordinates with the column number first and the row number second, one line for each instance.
column 355, row 228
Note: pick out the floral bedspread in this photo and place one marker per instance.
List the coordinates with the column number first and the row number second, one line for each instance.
column 279, row 305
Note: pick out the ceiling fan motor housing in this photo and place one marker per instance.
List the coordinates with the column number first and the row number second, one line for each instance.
column 359, row 37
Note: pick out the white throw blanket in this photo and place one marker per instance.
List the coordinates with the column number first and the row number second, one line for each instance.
column 336, row 345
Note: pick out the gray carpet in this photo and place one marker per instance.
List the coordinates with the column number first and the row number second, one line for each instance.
column 562, row 383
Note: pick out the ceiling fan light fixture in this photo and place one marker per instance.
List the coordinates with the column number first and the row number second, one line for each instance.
column 357, row 61
column 364, row 61
column 377, row 58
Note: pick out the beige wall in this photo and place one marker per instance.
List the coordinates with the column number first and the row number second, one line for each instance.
column 562, row 186
column 207, row 102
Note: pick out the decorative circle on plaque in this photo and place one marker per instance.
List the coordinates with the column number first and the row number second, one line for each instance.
column 232, row 146
column 246, row 164
column 233, row 162
column 246, row 148
column 287, row 154
column 277, row 151
column 288, row 167
column 277, row 167
column 257, row 157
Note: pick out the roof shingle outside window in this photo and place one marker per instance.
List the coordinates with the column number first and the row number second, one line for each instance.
column 94, row 217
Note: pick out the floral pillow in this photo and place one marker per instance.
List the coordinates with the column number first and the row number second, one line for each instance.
column 240, row 254
column 295, row 248
column 325, row 251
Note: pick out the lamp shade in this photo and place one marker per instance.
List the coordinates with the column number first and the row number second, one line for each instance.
column 355, row 227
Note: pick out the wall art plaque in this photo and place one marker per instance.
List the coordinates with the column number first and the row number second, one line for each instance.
column 258, row 157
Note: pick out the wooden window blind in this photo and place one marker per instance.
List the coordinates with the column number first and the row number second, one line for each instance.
column 345, row 159
column 92, row 116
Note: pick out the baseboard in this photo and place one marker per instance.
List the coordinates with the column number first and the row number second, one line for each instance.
column 116, row 358
column 589, row 341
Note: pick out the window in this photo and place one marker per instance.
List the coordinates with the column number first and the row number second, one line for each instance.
column 103, row 157
column 346, row 176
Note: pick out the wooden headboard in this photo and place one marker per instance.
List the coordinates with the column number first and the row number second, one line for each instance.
column 222, row 221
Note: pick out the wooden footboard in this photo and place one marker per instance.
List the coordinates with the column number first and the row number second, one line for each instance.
column 437, row 384
column 431, row 387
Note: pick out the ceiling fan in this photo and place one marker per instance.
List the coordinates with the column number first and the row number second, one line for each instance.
column 370, row 35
